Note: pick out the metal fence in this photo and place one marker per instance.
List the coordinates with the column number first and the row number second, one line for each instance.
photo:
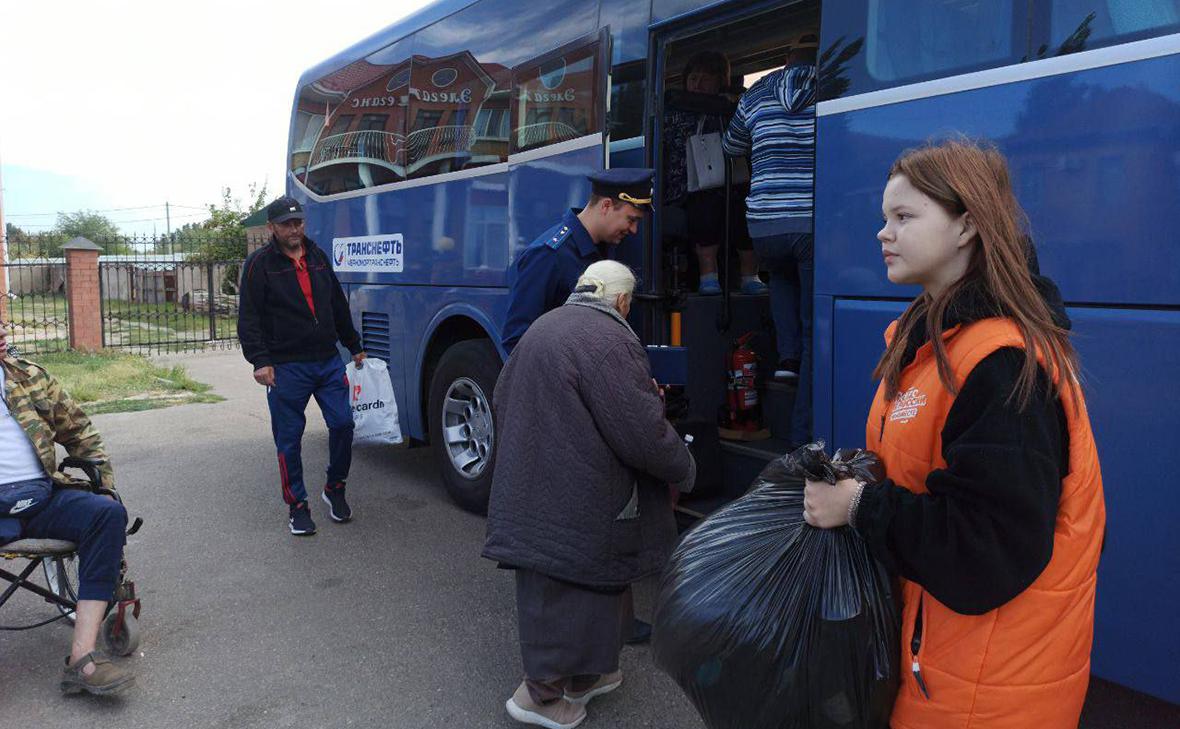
column 34, row 308
column 155, row 294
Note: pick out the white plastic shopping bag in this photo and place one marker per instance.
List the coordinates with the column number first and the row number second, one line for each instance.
column 374, row 409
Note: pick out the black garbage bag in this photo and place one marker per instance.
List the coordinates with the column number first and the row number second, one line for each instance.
column 768, row 623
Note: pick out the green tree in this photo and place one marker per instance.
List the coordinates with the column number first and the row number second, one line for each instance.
column 95, row 227
column 223, row 237
column 18, row 243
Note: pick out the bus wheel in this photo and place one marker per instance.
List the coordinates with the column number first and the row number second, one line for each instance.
column 461, row 429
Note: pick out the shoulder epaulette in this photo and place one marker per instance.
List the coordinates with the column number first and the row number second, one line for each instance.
column 558, row 238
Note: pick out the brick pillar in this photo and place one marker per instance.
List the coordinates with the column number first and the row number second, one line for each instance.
column 3, row 275
column 82, row 292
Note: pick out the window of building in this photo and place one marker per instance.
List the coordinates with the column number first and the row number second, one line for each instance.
column 350, row 124
column 558, row 96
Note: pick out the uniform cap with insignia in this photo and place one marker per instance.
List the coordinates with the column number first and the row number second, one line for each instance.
column 629, row 184
column 284, row 209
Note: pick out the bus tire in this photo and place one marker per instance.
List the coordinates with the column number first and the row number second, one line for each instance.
column 462, row 431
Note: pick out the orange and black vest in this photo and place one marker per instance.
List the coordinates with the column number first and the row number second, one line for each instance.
column 1026, row 663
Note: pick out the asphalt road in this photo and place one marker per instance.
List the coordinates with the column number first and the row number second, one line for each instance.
column 392, row 621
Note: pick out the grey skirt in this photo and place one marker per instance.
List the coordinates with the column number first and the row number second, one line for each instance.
column 567, row 630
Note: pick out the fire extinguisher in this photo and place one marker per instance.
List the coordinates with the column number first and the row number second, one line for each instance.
column 742, row 364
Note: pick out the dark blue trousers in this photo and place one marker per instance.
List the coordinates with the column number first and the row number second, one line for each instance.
column 295, row 383
column 97, row 524
column 791, row 262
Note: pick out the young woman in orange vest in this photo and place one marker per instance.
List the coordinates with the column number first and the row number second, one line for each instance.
column 992, row 510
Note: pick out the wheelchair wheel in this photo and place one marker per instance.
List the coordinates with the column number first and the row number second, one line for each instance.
column 125, row 643
column 61, row 576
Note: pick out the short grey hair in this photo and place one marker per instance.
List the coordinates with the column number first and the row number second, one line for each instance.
column 605, row 280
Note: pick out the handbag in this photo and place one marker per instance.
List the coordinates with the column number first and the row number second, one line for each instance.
column 705, row 159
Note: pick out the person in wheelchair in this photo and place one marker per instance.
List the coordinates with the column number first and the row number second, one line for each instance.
column 38, row 501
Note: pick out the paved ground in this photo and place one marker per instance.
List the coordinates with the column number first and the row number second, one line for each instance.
column 391, row 621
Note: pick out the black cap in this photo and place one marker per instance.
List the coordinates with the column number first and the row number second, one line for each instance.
column 284, row 209
column 629, row 184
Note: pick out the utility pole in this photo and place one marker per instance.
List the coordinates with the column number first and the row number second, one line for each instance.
column 168, row 219
column 3, row 255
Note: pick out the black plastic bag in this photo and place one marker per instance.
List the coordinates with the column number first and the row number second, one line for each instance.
column 768, row 623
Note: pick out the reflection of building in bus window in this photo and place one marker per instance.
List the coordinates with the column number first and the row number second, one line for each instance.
column 354, row 131
column 556, row 98
column 445, row 98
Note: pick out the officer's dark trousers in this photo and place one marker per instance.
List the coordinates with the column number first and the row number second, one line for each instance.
column 97, row 524
column 295, row 383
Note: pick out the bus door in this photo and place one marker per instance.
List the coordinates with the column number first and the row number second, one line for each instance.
column 698, row 228
column 559, row 133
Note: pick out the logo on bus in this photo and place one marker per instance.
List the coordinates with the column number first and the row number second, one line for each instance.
column 368, row 254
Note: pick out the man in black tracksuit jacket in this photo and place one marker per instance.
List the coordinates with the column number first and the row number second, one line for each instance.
column 291, row 313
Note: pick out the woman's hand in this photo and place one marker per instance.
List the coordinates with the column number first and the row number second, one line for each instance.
column 826, row 505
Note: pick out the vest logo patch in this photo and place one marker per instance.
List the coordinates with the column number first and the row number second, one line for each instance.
column 905, row 407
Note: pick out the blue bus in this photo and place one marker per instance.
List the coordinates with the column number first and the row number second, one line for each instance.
column 431, row 153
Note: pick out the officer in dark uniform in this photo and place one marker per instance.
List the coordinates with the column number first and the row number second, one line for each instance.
column 543, row 275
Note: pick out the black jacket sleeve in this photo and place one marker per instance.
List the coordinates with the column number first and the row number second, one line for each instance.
column 250, row 298
column 343, row 316
column 984, row 532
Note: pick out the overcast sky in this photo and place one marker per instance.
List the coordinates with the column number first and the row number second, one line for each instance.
column 107, row 104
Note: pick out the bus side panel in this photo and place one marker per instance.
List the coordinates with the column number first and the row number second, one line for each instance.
column 454, row 233
column 1093, row 157
column 365, row 301
column 414, row 313
column 541, row 190
column 859, row 328
column 1129, row 359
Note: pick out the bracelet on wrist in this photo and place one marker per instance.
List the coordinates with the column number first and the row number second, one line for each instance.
column 855, row 504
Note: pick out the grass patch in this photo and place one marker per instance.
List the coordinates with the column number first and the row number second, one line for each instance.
column 117, row 382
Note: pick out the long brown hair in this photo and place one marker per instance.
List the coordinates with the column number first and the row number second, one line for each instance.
column 964, row 176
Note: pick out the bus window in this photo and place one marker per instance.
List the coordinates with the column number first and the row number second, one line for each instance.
column 868, row 45
column 628, row 21
column 350, row 125
column 1070, row 26
column 460, row 93
column 557, row 96
column 909, row 40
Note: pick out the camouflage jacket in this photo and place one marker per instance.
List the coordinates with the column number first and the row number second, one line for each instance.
column 47, row 413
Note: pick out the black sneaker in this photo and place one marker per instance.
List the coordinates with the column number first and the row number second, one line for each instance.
column 338, row 508
column 300, row 522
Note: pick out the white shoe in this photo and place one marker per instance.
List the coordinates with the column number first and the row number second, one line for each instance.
column 604, row 685
column 560, row 714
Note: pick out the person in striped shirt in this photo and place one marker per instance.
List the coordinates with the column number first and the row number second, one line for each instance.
column 775, row 127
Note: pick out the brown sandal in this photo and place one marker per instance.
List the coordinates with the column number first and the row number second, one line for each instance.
column 107, row 677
